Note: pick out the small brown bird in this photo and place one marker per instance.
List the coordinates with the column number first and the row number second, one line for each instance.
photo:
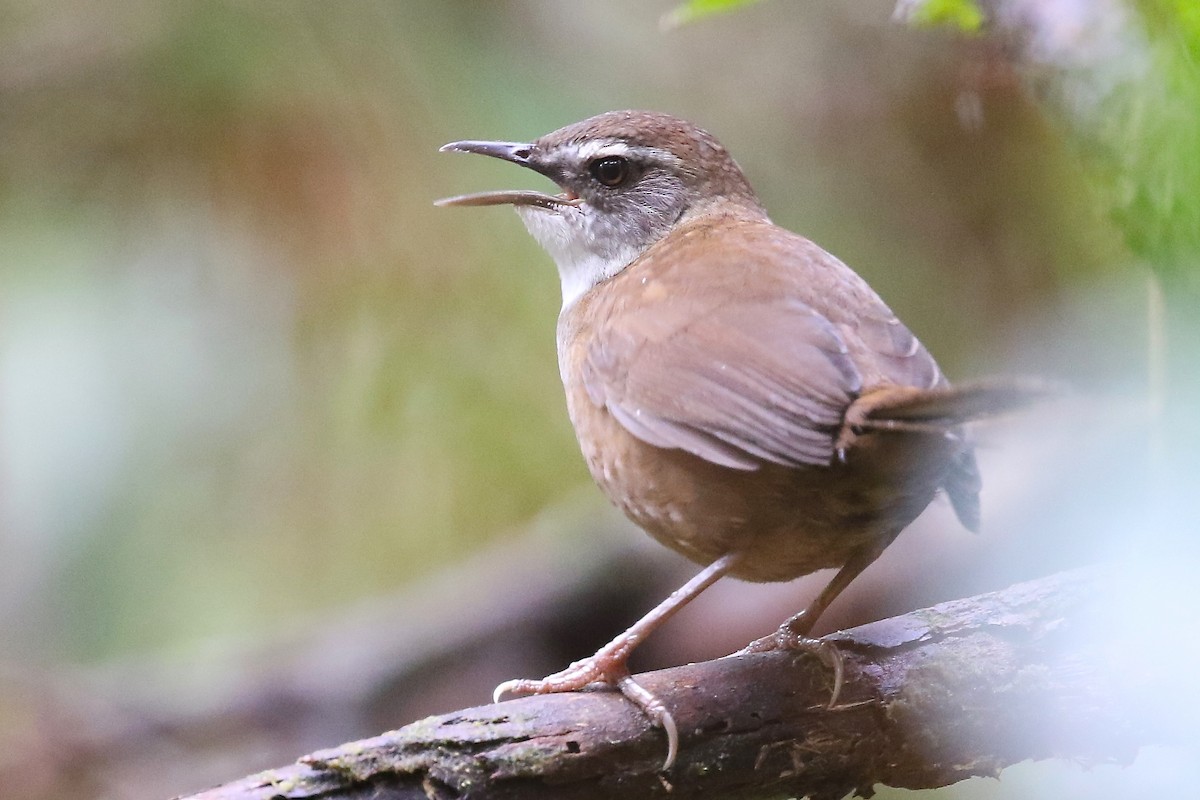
column 737, row 391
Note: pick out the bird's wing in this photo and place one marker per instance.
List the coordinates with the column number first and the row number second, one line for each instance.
column 896, row 355
column 741, row 384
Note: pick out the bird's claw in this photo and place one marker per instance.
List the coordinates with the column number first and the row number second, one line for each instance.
column 597, row 669
column 578, row 675
column 656, row 711
column 786, row 639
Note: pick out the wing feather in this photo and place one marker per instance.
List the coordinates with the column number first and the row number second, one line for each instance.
column 761, row 381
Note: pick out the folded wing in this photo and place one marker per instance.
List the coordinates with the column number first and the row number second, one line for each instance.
column 762, row 381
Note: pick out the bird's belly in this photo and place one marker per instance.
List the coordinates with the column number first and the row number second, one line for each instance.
column 786, row 521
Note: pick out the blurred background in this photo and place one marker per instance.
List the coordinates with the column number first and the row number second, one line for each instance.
column 284, row 458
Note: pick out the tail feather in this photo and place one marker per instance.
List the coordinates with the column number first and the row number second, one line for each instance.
column 956, row 405
column 944, row 410
column 962, row 486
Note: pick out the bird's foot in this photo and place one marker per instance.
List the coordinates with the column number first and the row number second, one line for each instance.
column 788, row 638
column 578, row 675
column 604, row 667
column 608, row 665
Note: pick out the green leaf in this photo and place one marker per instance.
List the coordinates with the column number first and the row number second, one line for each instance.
column 699, row 9
column 962, row 14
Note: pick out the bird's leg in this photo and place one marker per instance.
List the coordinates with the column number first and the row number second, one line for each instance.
column 794, row 633
column 608, row 665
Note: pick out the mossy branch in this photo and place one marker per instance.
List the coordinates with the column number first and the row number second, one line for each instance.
column 932, row 697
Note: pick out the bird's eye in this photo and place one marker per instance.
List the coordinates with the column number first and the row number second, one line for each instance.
column 611, row 171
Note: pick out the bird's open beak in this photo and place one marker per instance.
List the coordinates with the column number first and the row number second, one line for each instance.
column 517, row 153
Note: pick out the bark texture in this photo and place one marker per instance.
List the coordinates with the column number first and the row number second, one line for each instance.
column 961, row 689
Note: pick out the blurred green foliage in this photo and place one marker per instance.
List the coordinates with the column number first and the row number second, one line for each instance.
column 1152, row 141
column 963, row 15
column 290, row 390
column 1142, row 136
column 694, row 10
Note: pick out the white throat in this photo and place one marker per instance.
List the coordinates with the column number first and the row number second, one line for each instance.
column 582, row 261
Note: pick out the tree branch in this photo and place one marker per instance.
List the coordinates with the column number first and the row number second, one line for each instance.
column 961, row 689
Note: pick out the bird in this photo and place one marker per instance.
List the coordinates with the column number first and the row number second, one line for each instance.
column 737, row 391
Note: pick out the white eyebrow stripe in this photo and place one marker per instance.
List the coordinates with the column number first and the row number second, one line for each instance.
column 597, row 149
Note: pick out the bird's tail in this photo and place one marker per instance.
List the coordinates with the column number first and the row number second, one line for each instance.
column 943, row 411
column 904, row 408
